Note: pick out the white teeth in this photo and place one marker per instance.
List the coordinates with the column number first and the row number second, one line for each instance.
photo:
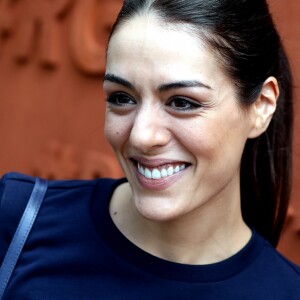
column 170, row 171
column 141, row 169
column 164, row 173
column 156, row 174
column 148, row 173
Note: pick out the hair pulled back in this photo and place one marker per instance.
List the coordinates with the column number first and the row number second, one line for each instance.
column 243, row 36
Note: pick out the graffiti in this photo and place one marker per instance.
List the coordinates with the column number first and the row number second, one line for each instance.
column 39, row 21
column 6, row 20
column 38, row 31
column 90, row 29
column 86, row 51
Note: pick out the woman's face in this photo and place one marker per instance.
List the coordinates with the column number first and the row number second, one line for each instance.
column 173, row 120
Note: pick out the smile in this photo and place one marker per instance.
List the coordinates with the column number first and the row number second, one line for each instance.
column 161, row 171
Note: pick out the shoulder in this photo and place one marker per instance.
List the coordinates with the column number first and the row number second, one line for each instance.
column 16, row 188
column 22, row 180
column 280, row 274
column 288, row 266
column 279, row 260
column 63, row 198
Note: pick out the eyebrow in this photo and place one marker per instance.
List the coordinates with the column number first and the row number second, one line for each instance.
column 162, row 88
column 118, row 80
column 183, row 84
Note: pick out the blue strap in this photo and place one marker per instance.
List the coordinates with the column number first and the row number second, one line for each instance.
column 22, row 232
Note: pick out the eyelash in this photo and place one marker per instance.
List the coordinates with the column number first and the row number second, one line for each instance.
column 190, row 104
column 115, row 98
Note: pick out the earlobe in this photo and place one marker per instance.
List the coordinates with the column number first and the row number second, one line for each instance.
column 264, row 107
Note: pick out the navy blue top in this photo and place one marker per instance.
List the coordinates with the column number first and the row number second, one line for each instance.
column 76, row 252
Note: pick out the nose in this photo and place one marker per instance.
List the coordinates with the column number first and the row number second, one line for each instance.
column 149, row 130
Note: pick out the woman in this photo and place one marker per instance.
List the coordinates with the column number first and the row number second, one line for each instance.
column 199, row 114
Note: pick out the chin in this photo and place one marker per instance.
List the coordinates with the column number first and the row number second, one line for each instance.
column 157, row 209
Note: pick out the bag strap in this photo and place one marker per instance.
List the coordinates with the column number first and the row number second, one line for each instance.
column 22, row 232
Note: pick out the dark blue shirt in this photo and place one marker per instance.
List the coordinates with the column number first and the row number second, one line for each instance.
column 75, row 252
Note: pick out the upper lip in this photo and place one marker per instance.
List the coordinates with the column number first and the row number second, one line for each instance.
column 152, row 163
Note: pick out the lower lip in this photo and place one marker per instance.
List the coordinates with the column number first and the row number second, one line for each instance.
column 158, row 184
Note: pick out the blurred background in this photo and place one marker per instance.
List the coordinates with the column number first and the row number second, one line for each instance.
column 51, row 100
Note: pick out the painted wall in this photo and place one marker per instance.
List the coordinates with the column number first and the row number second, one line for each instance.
column 51, row 102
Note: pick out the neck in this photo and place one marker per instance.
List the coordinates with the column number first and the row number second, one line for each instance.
column 212, row 234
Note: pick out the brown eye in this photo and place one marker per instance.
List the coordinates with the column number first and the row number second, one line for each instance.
column 120, row 99
column 181, row 103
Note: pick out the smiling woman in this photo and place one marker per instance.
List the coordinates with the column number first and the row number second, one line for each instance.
column 199, row 114
column 177, row 111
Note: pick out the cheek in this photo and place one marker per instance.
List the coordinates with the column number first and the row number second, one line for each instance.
column 217, row 138
column 198, row 138
column 116, row 130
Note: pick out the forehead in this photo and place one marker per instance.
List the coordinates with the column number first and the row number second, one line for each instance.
column 151, row 27
column 173, row 51
column 147, row 35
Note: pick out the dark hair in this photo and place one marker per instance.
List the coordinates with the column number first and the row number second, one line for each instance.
column 243, row 35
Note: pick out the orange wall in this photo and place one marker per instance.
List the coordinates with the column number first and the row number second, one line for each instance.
column 51, row 102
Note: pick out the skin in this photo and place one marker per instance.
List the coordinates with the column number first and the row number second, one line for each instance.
column 196, row 219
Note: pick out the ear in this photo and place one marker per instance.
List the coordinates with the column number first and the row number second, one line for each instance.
column 264, row 107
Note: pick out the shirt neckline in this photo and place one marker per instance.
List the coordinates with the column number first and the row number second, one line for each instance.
column 153, row 265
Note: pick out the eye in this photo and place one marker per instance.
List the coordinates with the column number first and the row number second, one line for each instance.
column 120, row 99
column 183, row 104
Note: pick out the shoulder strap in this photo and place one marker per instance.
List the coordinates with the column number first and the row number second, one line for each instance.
column 22, row 232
